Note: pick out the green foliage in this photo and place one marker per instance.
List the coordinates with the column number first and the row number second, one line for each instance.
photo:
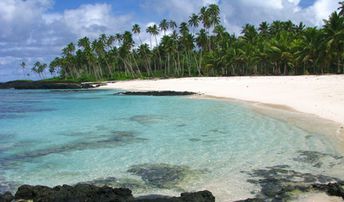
column 279, row 48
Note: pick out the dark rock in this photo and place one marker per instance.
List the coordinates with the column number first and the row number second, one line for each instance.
column 92, row 84
column 251, row 200
column 6, row 197
column 132, row 184
column 145, row 119
column 47, row 85
column 316, row 159
column 201, row 196
column 114, row 139
column 90, row 193
column 279, row 183
column 156, row 93
column 195, row 139
column 332, row 189
column 80, row 192
column 163, row 176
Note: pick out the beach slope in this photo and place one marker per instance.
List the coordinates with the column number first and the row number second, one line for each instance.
column 322, row 96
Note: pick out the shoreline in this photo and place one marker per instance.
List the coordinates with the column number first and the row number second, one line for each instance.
column 304, row 121
column 325, row 95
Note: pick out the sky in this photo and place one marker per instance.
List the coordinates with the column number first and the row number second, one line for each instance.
column 36, row 30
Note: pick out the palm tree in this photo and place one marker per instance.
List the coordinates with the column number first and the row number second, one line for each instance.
column 264, row 29
column 341, row 8
column 214, row 14
column 334, row 36
column 23, row 66
column 39, row 68
column 172, row 25
column 154, row 31
column 249, row 33
column 136, row 29
column 193, row 21
column 163, row 26
column 183, row 28
column 204, row 16
column 281, row 47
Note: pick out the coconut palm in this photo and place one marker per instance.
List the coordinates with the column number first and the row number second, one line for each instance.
column 214, row 14
column 264, row 29
column 172, row 25
column 136, row 29
column 194, row 21
column 23, row 66
column 334, row 36
column 280, row 47
column 341, row 8
column 154, row 32
column 163, row 26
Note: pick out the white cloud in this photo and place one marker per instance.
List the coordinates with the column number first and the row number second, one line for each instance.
column 207, row 2
column 29, row 30
column 273, row 4
column 238, row 13
column 91, row 20
column 322, row 9
column 17, row 17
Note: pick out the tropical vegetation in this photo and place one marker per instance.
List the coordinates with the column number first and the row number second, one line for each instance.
column 202, row 47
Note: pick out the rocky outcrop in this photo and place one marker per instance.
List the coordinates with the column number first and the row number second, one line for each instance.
column 201, row 196
column 90, row 193
column 6, row 197
column 156, row 93
column 281, row 183
column 331, row 189
column 47, row 85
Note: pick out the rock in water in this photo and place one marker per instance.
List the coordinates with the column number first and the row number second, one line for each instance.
column 163, row 176
column 47, row 85
column 156, row 93
column 91, row 193
column 201, row 196
column 80, row 192
column 332, row 189
column 6, row 197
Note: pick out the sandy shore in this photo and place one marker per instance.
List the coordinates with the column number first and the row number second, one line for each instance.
column 319, row 95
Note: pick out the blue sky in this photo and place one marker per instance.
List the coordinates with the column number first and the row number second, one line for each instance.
column 34, row 30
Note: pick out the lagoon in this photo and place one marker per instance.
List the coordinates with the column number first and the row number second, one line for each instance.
column 153, row 145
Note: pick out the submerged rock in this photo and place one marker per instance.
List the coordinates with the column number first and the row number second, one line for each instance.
column 6, row 186
column 281, row 183
column 201, row 196
column 194, row 139
column 332, row 189
column 317, row 159
column 90, row 193
column 113, row 139
column 145, row 119
column 156, row 93
column 132, row 184
column 163, row 176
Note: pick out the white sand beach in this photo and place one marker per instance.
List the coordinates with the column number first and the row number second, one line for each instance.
column 320, row 99
column 322, row 96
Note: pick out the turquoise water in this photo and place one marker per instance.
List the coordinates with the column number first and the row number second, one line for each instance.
column 154, row 145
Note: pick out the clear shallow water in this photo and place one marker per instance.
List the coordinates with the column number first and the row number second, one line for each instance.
column 160, row 145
